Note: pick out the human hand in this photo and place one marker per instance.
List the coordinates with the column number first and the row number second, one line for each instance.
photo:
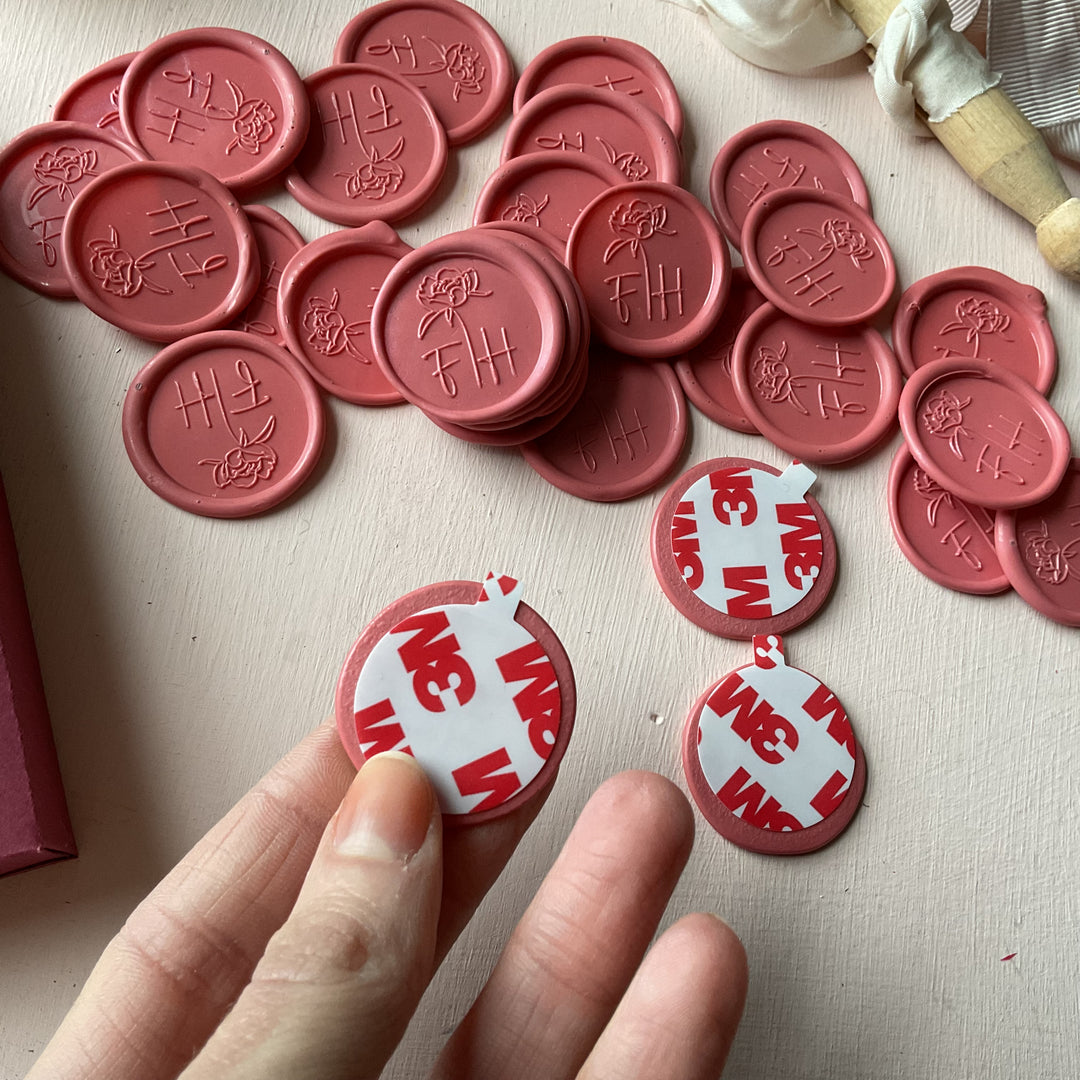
column 295, row 940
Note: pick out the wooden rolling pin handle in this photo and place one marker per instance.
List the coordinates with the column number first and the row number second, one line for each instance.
column 1003, row 153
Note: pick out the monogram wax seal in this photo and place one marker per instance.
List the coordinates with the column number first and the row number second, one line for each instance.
column 473, row 683
column 94, row 98
column 770, row 757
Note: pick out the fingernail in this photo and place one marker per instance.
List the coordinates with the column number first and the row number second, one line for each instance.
column 386, row 813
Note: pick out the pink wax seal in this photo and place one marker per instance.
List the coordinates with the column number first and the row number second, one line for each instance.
column 160, row 251
column 823, row 394
column 705, row 371
column 277, row 241
column 770, row 757
column 740, row 548
column 653, row 266
column 607, row 126
column 1039, row 548
column 947, row 539
column 41, row 172
column 446, row 50
column 984, row 433
column 547, row 191
column 469, row 328
column 223, row 424
column 473, row 683
column 971, row 311
column 818, row 256
column 94, row 98
column 375, row 150
column 771, row 156
column 624, row 435
column 216, row 99
column 325, row 300
column 604, row 63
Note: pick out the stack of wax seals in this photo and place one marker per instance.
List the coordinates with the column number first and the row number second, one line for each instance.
column 983, row 493
column 473, row 683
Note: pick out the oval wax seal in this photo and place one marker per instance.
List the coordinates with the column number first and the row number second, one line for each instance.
column 223, row 424
column 473, row 683
column 653, row 266
column 770, row 757
column 740, row 548
column 160, row 251
column 984, row 433
column 1039, row 548
column 604, row 63
column 971, row 311
column 823, row 394
column 94, row 98
column 216, row 99
column 376, row 150
column 948, row 540
column 449, row 52
column 624, row 435
column 613, row 128
column 41, row 171
column 818, row 257
column 325, row 300
column 772, row 156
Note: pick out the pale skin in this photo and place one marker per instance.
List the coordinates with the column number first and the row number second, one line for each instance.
column 295, row 940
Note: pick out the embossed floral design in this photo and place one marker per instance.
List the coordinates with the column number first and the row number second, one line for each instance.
column 327, row 330
column 773, row 379
column 247, row 463
column 944, row 418
column 443, row 292
column 525, row 210
column 633, row 223
column 377, row 177
column 118, row 271
column 464, row 66
column 58, row 170
column 113, row 115
column 628, row 163
column 1050, row 561
column 975, row 317
column 932, row 492
column 252, row 124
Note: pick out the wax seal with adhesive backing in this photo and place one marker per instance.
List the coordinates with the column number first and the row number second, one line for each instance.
column 741, row 549
column 473, row 683
column 94, row 98
column 770, row 757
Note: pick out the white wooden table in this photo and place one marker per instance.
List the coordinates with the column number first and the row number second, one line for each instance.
column 183, row 655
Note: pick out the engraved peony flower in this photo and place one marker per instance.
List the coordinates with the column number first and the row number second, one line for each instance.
column 1050, row 561
column 525, row 210
column 977, row 317
column 327, row 330
column 443, row 292
column 772, row 377
column 462, row 63
column 57, row 170
column 118, row 271
column 628, row 163
column 253, row 126
column 246, row 464
column 839, row 235
column 633, row 223
column 932, row 491
column 377, row 177
column 943, row 417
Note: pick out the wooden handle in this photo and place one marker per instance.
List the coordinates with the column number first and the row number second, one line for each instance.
column 1003, row 153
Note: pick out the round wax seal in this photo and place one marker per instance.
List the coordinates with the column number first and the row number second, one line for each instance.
column 771, row 759
column 653, row 266
column 473, row 683
column 741, row 549
column 325, row 300
column 818, row 257
column 375, row 150
column 223, row 424
column 973, row 312
column 216, row 99
column 624, row 435
column 41, row 172
column 277, row 241
column 1039, row 548
column 94, row 98
column 983, row 433
column 947, row 539
column 160, row 251
column 607, row 126
column 771, row 156
column 823, row 394
column 604, row 63
column 547, row 191
column 469, row 328
column 446, row 50
column 705, row 371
